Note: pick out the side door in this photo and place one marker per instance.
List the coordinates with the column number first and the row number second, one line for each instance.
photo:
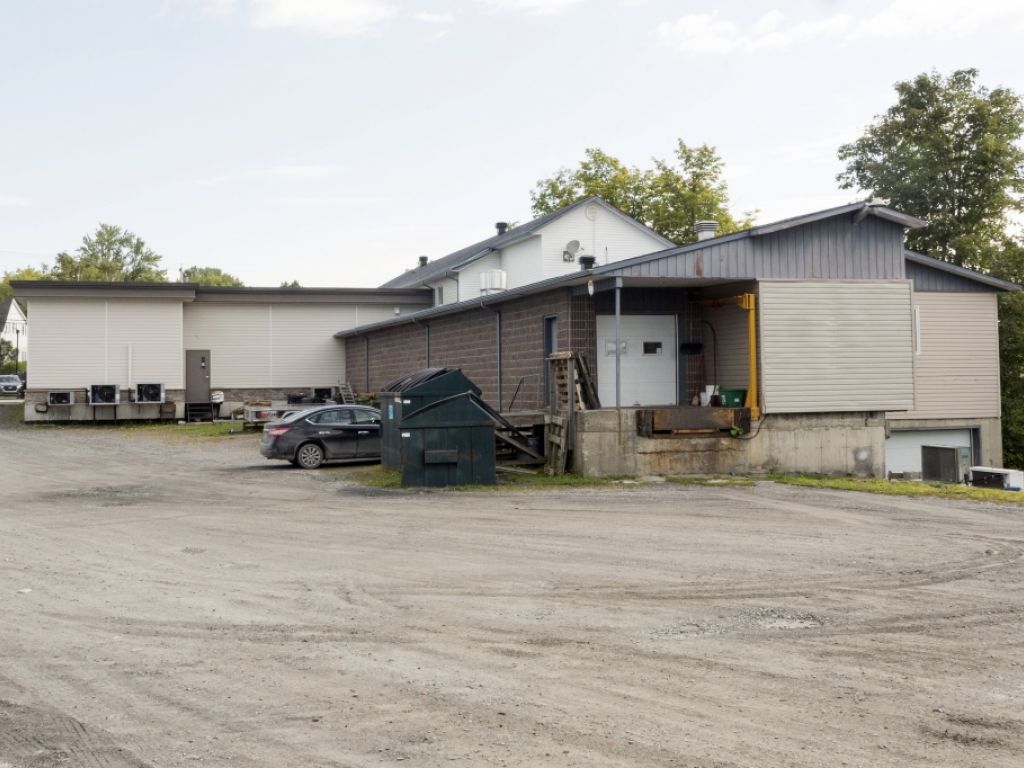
column 368, row 429
column 334, row 428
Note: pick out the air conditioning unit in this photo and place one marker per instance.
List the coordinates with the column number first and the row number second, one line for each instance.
column 104, row 394
column 64, row 397
column 149, row 393
column 493, row 281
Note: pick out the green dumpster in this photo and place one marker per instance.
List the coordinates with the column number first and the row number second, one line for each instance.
column 449, row 442
column 410, row 393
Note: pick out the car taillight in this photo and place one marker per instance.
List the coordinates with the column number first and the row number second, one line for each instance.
column 277, row 431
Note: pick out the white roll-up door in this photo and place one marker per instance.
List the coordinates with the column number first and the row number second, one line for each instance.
column 903, row 449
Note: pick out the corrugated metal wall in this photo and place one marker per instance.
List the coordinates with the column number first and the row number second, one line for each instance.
column 926, row 279
column 733, row 368
column 833, row 249
column 956, row 365
column 836, row 346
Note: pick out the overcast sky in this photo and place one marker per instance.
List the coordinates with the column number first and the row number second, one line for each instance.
column 334, row 141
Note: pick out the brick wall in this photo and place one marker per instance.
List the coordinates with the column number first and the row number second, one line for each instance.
column 467, row 340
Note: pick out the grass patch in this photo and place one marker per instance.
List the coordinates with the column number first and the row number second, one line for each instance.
column 164, row 429
column 901, row 488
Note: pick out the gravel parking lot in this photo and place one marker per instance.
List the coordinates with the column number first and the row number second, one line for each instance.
column 173, row 602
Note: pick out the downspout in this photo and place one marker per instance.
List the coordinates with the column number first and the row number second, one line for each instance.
column 366, row 361
column 497, row 345
column 749, row 302
column 618, row 343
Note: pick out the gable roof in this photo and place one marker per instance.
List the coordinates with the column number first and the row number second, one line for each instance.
column 453, row 262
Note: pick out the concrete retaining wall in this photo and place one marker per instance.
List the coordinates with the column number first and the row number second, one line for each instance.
column 607, row 445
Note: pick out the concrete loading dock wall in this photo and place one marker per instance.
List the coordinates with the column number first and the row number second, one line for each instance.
column 608, row 445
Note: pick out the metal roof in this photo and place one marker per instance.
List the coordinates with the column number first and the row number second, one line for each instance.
column 197, row 292
column 455, row 261
column 964, row 272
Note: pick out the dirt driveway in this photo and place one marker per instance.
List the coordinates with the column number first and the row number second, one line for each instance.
column 175, row 603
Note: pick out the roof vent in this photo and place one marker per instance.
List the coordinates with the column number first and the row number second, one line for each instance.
column 705, row 229
column 501, row 226
column 587, row 262
column 423, row 261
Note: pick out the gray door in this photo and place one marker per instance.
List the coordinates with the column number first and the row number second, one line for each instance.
column 197, row 375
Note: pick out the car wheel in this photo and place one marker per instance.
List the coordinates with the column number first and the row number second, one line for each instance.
column 309, row 456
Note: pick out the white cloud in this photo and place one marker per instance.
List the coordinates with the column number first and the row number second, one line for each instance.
column 331, row 18
column 438, row 19
column 536, row 7
column 707, row 33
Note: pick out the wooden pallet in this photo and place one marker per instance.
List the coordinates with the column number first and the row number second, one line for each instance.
column 573, row 391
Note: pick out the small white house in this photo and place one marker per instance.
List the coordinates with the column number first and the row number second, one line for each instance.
column 14, row 327
column 556, row 244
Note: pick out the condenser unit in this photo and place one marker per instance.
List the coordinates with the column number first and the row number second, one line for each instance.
column 63, row 397
column 149, row 393
column 104, row 394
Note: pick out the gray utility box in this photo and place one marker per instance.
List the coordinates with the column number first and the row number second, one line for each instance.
column 449, row 442
column 410, row 393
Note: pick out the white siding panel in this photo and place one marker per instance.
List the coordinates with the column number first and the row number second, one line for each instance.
column 956, row 369
column 69, row 343
column 607, row 236
column 79, row 342
column 469, row 278
column 836, row 346
column 522, row 262
column 903, row 449
column 144, row 342
column 239, row 339
column 305, row 352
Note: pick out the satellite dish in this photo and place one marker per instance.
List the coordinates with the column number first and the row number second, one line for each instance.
column 571, row 249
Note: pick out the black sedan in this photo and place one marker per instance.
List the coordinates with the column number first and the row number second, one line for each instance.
column 326, row 433
column 12, row 385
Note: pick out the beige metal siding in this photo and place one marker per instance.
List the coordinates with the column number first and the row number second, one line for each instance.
column 956, row 368
column 275, row 345
column 836, row 346
column 80, row 342
column 733, row 366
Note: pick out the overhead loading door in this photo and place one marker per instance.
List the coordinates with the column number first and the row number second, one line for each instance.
column 903, row 448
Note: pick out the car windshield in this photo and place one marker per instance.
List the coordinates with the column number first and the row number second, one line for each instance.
column 10, row 379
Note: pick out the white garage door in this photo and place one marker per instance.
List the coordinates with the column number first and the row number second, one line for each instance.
column 648, row 354
column 903, row 449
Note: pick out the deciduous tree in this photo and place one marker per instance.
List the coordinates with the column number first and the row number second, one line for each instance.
column 668, row 197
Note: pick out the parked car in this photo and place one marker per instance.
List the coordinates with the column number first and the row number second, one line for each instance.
column 313, row 436
column 11, row 385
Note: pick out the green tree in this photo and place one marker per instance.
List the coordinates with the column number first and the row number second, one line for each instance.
column 210, row 276
column 111, row 254
column 292, row 284
column 948, row 150
column 669, row 197
column 25, row 273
